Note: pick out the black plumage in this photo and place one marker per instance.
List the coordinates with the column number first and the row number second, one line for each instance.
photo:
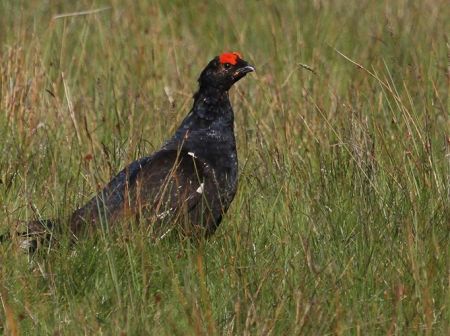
column 190, row 182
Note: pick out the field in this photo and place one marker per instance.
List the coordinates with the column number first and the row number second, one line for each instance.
column 341, row 224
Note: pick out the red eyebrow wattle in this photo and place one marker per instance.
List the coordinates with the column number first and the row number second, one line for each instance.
column 231, row 58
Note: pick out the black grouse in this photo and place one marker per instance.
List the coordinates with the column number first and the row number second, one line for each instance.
column 190, row 182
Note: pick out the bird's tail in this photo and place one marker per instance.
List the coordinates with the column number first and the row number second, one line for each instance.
column 32, row 235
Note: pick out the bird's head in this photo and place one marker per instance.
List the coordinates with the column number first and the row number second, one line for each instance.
column 224, row 70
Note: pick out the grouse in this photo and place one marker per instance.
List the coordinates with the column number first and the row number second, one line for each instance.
column 191, row 181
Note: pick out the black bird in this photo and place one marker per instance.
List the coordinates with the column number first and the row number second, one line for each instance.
column 190, row 182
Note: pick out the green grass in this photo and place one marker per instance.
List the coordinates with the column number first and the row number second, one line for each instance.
column 341, row 223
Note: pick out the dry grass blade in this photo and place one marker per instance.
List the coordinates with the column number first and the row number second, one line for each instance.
column 81, row 13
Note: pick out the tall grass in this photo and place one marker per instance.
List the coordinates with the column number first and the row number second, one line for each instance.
column 342, row 218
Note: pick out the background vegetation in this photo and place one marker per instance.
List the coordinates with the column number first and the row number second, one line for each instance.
column 341, row 222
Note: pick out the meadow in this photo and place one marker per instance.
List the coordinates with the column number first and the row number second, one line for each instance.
column 341, row 223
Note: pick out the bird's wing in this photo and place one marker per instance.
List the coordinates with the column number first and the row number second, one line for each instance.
column 161, row 189
column 176, row 188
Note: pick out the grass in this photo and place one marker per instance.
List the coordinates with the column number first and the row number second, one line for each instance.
column 341, row 221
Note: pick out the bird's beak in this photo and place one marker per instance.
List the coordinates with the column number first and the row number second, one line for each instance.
column 246, row 69
column 242, row 71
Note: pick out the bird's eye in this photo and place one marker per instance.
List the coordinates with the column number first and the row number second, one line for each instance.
column 227, row 65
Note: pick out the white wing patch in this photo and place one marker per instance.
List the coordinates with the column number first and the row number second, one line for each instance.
column 200, row 189
column 192, row 154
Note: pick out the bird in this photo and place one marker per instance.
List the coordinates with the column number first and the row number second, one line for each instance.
column 188, row 184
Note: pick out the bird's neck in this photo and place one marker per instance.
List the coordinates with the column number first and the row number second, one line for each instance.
column 212, row 104
column 211, row 111
column 208, row 128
